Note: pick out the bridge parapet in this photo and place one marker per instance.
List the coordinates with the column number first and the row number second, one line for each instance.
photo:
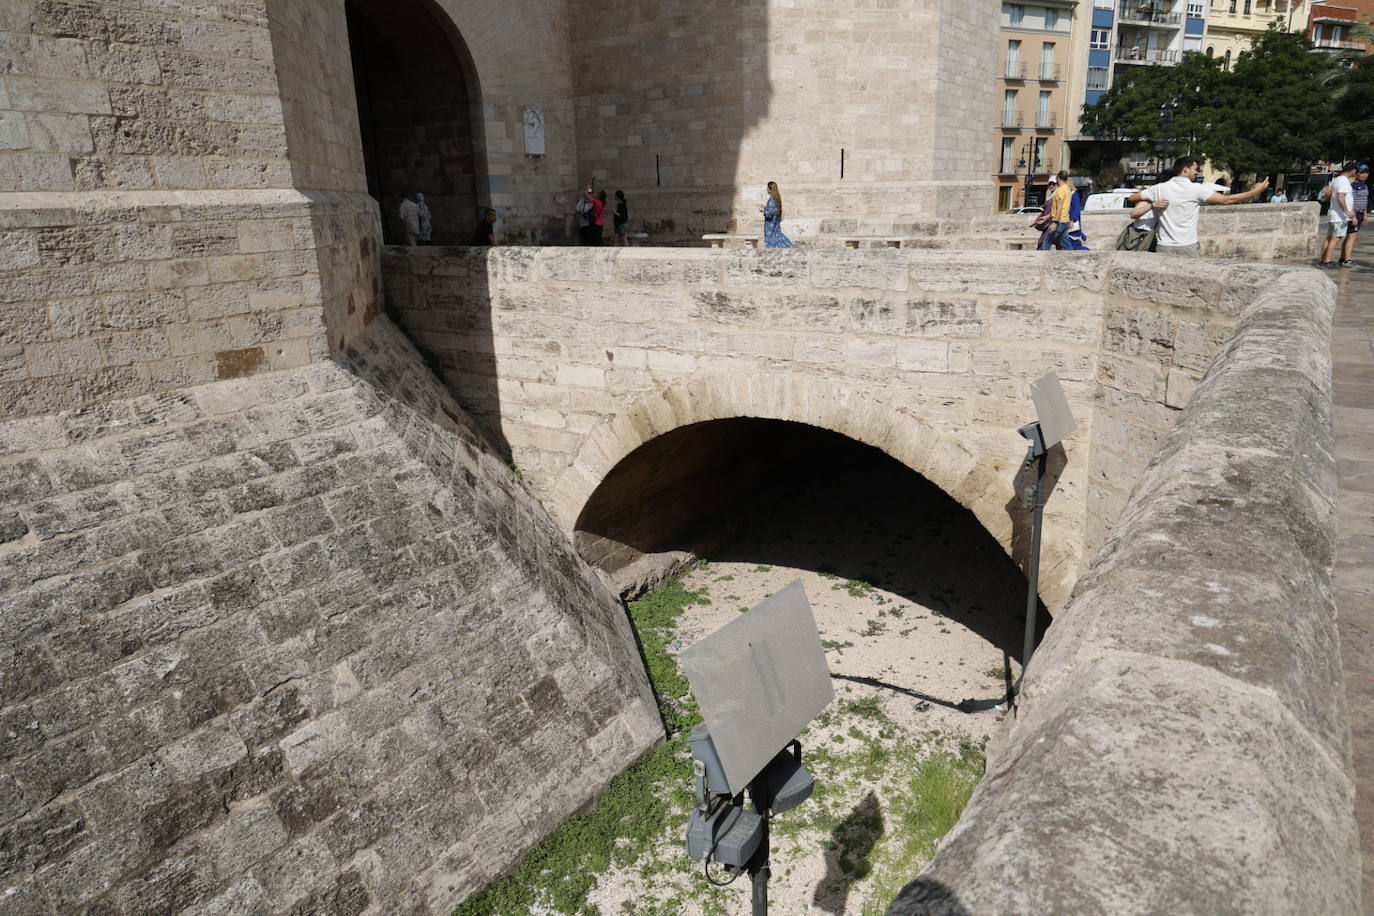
column 574, row 357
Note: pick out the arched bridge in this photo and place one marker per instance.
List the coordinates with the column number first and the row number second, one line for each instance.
column 574, row 359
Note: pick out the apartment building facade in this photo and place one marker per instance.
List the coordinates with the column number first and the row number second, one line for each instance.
column 1233, row 24
column 1036, row 66
column 1331, row 26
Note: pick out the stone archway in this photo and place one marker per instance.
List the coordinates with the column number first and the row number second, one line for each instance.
column 983, row 486
column 416, row 90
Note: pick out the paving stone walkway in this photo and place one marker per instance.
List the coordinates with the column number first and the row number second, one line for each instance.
column 1352, row 374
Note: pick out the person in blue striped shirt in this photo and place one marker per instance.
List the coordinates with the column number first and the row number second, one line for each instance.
column 1360, row 189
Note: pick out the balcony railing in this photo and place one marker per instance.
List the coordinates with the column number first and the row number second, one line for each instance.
column 1046, row 120
column 1333, row 44
column 1049, row 71
column 1012, row 120
column 1015, row 71
column 1134, row 12
column 1146, row 56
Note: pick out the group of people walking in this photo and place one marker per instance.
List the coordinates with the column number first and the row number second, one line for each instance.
column 417, row 222
column 1345, row 201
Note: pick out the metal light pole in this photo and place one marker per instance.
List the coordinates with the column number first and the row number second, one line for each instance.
column 1036, row 454
column 1053, row 422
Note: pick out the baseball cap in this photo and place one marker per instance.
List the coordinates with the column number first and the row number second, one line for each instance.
column 1362, row 167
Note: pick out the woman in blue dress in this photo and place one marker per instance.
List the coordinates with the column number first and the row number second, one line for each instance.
column 772, row 219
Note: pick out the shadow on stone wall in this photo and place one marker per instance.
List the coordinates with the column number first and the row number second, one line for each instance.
column 664, row 99
column 411, row 79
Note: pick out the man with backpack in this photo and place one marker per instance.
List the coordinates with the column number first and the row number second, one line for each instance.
column 1183, row 198
column 1340, row 196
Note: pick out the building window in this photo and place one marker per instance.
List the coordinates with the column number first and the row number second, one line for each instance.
column 1018, row 12
column 1008, row 155
column 1195, row 9
column 1040, row 153
column 1097, row 77
column 1013, row 59
column 1051, row 19
column 1100, row 39
column 1226, row 61
column 1247, row 7
column 1232, row 8
column 1210, row 50
column 1009, row 108
column 1047, row 61
column 1004, row 197
column 1042, row 110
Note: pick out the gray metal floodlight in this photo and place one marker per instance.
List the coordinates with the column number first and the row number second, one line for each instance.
column 1052, row 410
column 759, row 680
column 1053, row 422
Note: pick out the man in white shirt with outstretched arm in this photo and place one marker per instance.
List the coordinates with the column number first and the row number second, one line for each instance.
column 1339, row 215
column 1178, row 219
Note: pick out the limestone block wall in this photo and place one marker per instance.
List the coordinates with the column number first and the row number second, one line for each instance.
column 116, row 96
column 573, row 358
column 1185, row 715
column 291, row 643
column 693, row 107
column 132, row 293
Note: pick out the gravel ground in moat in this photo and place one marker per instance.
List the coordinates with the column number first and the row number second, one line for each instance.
column 915, row 604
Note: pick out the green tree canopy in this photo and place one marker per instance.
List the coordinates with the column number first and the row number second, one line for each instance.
column 1275, row 106
column 1166, row 105
column 1279, row 104
column 1352, row 85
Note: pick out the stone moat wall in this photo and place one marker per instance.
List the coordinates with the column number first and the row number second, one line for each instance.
column 293, row 643
column 1183, row 743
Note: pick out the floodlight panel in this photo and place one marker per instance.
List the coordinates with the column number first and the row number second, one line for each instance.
column 759, row 680
column 1052, row 409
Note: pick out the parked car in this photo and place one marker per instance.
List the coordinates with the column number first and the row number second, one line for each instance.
column 1014, row 211
column 1109, row 200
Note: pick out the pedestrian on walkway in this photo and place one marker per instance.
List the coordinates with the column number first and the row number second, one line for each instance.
column 1341, row 195
column 1360, row 199
column 1061, row 207
column 410, row 218
column 772, row 219
column 485, row 233
column 622, row 220
column 1279, row 197
column 599, row 218
column 1177, row 231
column 426, row 220
column 585, row 206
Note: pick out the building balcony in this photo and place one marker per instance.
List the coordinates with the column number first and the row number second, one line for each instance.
column 1135, row 55
column 1334, row 44
column 1014, row 71
column 1154, row 15
column 1013, row 120
column 1049, row 73
column 1047, row 120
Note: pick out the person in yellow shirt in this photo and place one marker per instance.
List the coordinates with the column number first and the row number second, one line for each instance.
column 1059, row 211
